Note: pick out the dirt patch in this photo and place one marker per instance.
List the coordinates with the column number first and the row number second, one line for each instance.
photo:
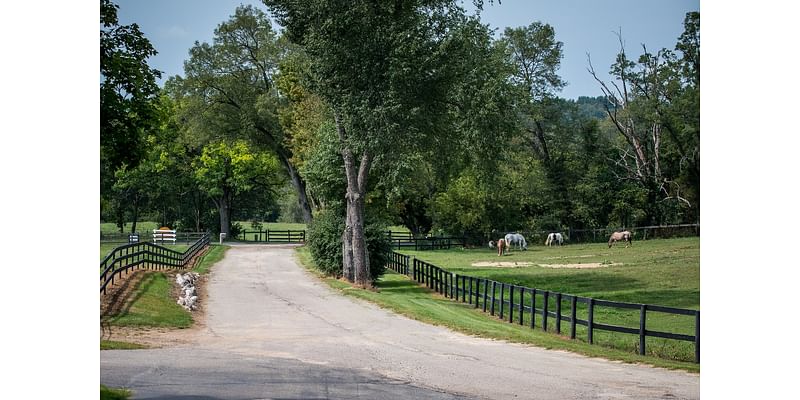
column 578, row 266
column 503, row 264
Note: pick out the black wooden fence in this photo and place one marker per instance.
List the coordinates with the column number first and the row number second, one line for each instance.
column 116, row 237
column 406, row 240
column 272, row 236
column 129, row 257
column 484, row 293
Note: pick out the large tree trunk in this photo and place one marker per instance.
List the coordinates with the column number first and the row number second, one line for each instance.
column 135, row 216
column 355, row 258
column 224, row 204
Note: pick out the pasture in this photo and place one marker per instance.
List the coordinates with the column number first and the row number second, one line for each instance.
column 659, row 272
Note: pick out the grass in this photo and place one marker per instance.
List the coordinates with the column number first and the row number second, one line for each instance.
column 141, row 227
column 153, row 305
column 214, row 255
column 107, row 393
column 115, row 345
column 398, row 293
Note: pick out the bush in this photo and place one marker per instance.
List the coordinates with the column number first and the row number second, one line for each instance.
column 325, row 244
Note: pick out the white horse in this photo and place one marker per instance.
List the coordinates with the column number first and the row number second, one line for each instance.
column 554, row 238
column 516, row 239
column 491, row 244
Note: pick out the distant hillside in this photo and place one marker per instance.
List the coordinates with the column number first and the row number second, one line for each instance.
column 593, row 107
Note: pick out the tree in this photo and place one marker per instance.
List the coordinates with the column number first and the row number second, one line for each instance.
column 226, row 171
column 391, row 74
column 127, row 91
column 231, row 90
column 659, row 94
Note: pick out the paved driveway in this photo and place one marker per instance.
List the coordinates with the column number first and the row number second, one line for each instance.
column 274, row 331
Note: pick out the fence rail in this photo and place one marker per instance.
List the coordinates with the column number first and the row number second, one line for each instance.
column 129, row 257
column 599, row 235
column 273, row 236
column 467, row 289
column 181, row 237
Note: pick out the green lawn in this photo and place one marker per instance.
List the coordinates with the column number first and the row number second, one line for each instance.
column 663, row 272
column 153, row 305
column 214, row 254
column 107, row 393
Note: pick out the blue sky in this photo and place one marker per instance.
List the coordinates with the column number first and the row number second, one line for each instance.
column 583, row 26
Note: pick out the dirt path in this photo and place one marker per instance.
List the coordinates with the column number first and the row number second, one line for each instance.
column 266, row 316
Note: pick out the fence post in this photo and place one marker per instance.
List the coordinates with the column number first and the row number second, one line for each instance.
column 502, row 295
column 573, row 317
column 463, row 289
column 521, row 304
column 642, row 335
column 590, row 324
column 470, row 290
column 455, row 282
column 494, row 287
column 558, row 312
column 414, row 269
column 477, row 291
column 485, row 293
column 697, row 337
column 544, row 310
column 511, row 304
column 533, row 308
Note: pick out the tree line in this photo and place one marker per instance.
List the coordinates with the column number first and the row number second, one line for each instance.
column 409, row 112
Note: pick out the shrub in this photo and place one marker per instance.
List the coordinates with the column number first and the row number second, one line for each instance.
column 325, row 243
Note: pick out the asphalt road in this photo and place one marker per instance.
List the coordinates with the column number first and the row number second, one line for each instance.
column 274, row 331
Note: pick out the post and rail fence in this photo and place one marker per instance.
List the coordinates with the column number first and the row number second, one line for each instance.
column 481, row 292
column 272, row 236
column 600, row 235
column 130, row 257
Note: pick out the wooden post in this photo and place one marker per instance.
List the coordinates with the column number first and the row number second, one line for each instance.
column 511, row 305
column 463, row 289
column 533, row 308
column 558, row 312
column 591, row 320
column 544, row 310
column 485, row 293
column 502, row 301
column 573, row 318
column 697, row 337
column 477, row 291
column 642, row 320
column 521, row 304
column 470, row 290
column 494, row 287
column 455, row 281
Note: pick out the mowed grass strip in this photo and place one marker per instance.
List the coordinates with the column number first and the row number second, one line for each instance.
column 107, row 393
column 214, row 254
column 152, row 305
column 399, row 294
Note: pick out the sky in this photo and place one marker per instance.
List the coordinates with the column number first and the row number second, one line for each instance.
column 584, row 26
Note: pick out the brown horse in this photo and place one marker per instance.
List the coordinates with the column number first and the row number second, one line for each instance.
column 624, row 235
column 502, row 247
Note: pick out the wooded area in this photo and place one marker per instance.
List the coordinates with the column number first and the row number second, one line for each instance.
column 408, row 113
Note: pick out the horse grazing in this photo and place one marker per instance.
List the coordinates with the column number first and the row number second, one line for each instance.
column 516, row 239
column 502, row 247
column 617, row 236
column 491, row 244
column 554, row 238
